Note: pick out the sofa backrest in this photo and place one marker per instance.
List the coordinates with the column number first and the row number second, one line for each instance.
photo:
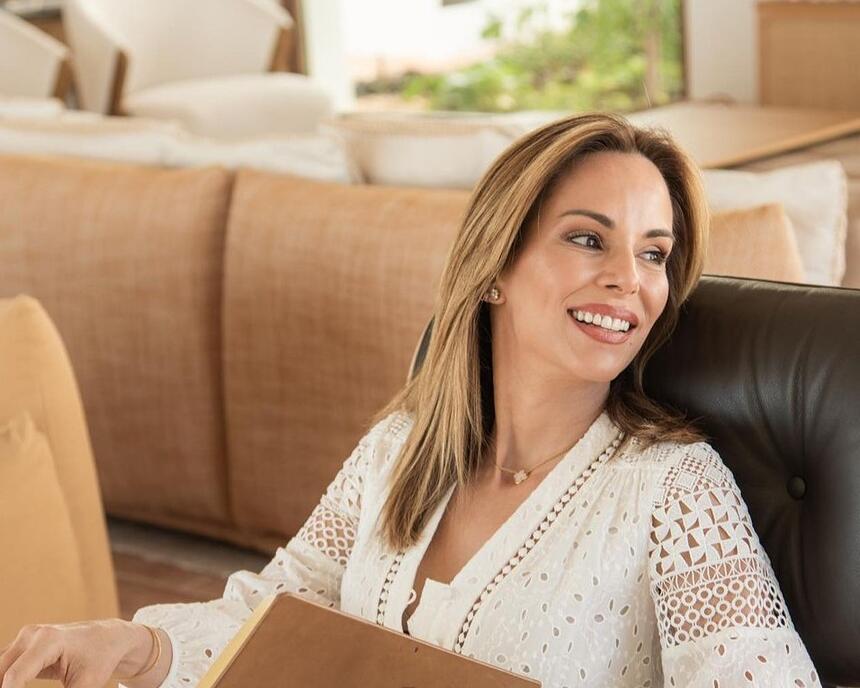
column 327, row 290
column 127, row 261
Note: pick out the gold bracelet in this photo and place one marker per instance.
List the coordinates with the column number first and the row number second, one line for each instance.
column 150, row 664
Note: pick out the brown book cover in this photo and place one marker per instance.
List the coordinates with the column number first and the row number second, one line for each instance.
column 291, row 641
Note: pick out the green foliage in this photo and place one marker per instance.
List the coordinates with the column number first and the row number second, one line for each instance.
column 613, row 55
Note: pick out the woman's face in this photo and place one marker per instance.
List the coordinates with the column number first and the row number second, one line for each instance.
column 596, row 252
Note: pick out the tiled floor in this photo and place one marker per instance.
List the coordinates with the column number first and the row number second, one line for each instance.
column 159, row 566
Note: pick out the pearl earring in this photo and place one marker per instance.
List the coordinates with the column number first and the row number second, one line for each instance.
column 493, row 294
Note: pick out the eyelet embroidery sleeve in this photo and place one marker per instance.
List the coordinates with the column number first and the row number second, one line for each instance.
column 722, row 619
column 311, row 564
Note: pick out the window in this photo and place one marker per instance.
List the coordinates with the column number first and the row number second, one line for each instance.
column 514, row 55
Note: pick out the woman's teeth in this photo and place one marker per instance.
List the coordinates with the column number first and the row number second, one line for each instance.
column 604, row 321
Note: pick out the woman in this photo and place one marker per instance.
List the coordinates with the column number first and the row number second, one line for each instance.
column 521, row 500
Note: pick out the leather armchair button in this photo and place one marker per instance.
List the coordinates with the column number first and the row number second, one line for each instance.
column 797, row 487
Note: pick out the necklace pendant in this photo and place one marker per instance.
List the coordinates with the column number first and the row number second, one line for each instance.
column 519, row 476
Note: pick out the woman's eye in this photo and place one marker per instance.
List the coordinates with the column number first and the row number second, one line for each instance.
column 660, row 256
column 573, row 237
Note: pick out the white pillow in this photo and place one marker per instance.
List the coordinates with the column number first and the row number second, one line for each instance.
column 305, row 155
column 440, row 150
column 109, row 138
column 30, row 107
column 156, row 142
column 437, row 161
column 815, row 198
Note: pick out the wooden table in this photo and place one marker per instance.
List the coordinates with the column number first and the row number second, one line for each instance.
column 724, row 135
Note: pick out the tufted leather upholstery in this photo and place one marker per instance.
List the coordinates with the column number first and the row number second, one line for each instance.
column 771, row 371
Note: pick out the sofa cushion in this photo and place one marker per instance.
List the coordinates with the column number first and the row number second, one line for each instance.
column 39, row 389
column 756, row 242
column 328, row 288
column 40, row 568
column 127, row 260
column 814, row 196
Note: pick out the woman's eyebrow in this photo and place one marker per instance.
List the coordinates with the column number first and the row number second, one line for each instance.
column 609, row 224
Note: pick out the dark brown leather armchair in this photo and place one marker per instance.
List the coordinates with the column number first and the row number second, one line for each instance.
column 772, row 373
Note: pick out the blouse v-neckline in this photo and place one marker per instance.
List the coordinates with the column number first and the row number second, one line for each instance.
column 505, row 541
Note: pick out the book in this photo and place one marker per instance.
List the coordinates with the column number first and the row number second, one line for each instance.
column 291, row 641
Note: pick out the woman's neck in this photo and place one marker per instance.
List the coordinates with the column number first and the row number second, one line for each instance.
column 534, row 421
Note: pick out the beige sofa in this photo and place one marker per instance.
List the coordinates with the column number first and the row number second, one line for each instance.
column 233, row 333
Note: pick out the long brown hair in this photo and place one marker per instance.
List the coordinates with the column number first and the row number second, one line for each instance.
column 450, row 398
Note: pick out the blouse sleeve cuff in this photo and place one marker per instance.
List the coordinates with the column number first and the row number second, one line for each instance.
column 198, row 633
column 741, row 657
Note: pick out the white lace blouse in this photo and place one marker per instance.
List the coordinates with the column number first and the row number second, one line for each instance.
column 640, row 568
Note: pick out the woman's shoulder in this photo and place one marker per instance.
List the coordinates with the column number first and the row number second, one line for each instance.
column 678, row 459
column 385, row 437
column 681, row 469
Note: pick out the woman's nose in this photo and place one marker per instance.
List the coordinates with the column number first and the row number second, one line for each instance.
column 620, row 272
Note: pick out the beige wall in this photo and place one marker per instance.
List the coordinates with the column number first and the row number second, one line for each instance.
column 721, row 49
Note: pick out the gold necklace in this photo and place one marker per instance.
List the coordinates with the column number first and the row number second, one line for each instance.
column 522, row 474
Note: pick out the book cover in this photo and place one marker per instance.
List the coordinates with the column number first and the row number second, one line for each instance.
column 289, row 640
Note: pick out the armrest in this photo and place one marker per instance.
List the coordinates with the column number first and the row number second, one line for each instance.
column 38, row 58
column 99, row 61
column 271, row 8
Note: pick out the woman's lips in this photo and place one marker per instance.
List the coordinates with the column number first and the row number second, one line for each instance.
column 599, row 334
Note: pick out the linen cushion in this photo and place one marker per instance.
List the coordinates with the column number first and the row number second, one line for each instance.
column 128, row 262
column 39, row 389
column 328, row 288
column 814, row 196
column 41, row 574
column 756, row 242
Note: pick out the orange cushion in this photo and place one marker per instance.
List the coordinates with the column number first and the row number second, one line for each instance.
column 754, row 242
column 40, row 567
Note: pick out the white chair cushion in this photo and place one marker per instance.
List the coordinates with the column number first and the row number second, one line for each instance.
column 240, row 106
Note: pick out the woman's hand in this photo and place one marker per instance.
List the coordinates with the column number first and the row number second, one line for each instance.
column 81, row 655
